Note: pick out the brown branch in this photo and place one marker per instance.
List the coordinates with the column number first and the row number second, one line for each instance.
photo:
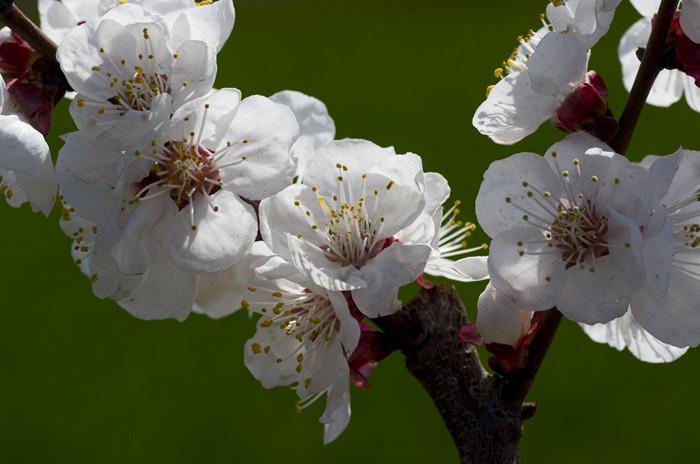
column 484, row 428
column 517, row 385
column 649, row 69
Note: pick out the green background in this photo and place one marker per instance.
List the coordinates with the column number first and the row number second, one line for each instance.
column 83, row 382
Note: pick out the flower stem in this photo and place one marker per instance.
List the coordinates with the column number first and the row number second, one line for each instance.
column 649, row 69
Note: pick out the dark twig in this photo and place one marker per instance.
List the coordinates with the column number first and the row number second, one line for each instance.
column 517, row 385
column 484, row 429
column 649, row 69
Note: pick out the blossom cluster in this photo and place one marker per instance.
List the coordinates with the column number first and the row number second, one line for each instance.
column 610, row 243
column 179, row 197
column 182, row 198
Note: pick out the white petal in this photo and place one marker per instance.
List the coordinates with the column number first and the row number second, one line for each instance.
column 393, row 268
column 223, row 232
column 166, row 292
column 646, row 7
column 280, row 215
column 312, row 262
column 87, row 176
column 193, row 72
column 336, row 417
column 535, row 279
column 499, row 320
column 504, row 180
column 560, row 60
column 210, row 23
column 349, row 327
column 139, row 240
column 263, row 132
column 668, row 87
column 692, row 93
column 471, row 269
column 626, row 332
column 690, row 19
column 317, row 128
column 512, row 110
column 677, row 321
column 220, row 294
column 437, row 191
column 604, row 294
column 25, row 152
column 658, row 257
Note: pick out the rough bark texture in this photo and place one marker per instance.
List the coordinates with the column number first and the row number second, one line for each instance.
column 485, row 429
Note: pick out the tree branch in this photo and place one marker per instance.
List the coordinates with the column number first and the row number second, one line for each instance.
column 484, row 428
column 649, row 69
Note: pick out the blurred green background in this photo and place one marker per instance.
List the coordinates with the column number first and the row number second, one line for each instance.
column 83, row 382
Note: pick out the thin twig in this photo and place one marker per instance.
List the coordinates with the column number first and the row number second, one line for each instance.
column 649, row 69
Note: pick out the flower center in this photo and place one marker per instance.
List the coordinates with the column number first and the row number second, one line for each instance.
column 573, row 226
column 691, row 233
column 180, row 170
column 302, row 315
column 350, row 227
column 135, row 86
column 579, row 232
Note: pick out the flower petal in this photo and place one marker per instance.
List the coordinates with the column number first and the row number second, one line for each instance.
column 391, row 269
column 626, row 332
column 26, row 154
column 512, row 110
column 211, row 235
column 312, row 262
column 522, row 265
column 259, row 160
column 502, row 196
column 499, row 319
column 165, row 292
column 470, row 269
column 560, row 60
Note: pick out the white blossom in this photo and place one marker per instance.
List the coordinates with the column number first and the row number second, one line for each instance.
column 666, row 305
column 625, row 332
column 339, row 225
column 445, row 234
column 305, row 336
column 591, row 19
column 566, row 228
column 317, row 128
column 534, row 82
column 131, row 76
column 204, row 20
column 26, row 168
column 179, row 206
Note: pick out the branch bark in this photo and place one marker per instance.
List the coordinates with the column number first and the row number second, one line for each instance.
column 485, row 429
